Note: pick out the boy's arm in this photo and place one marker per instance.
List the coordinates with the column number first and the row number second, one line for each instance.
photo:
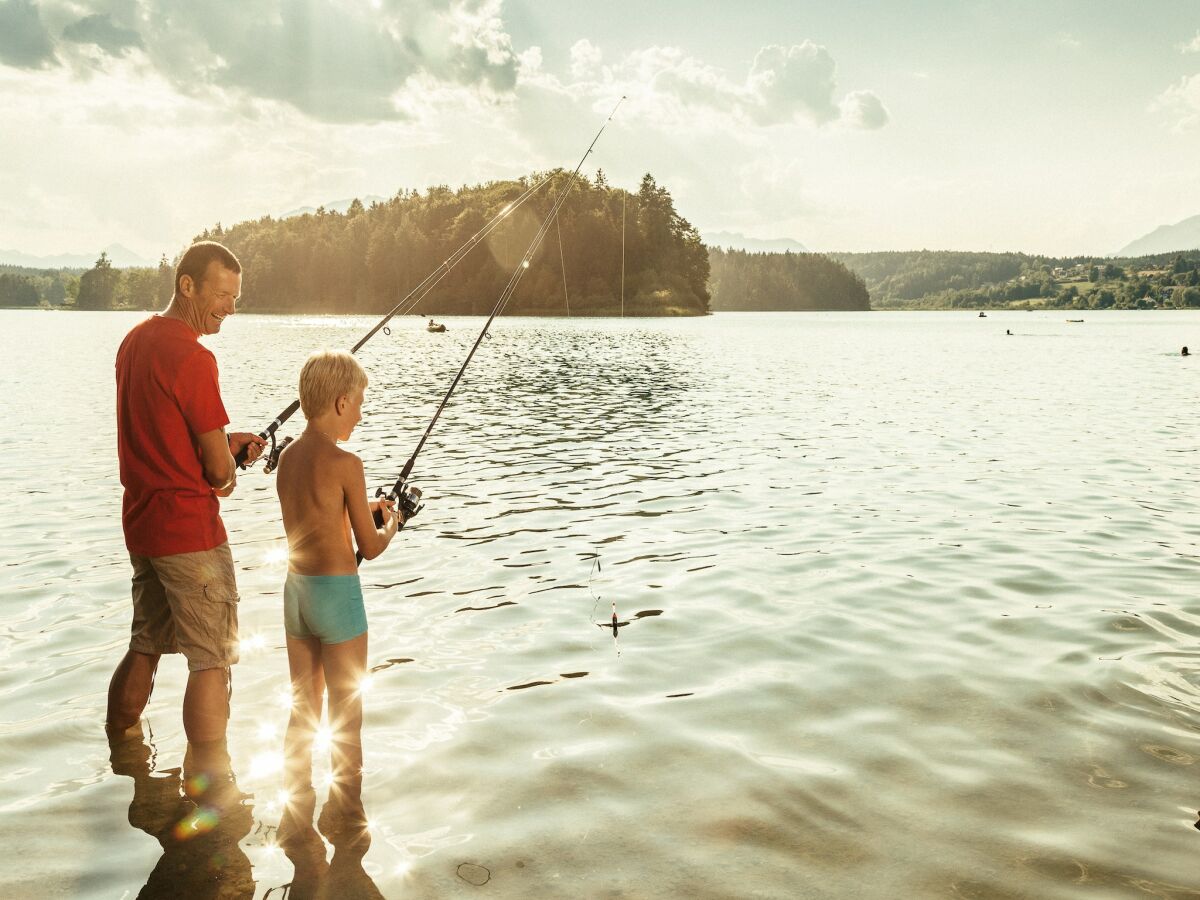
column 371, row 541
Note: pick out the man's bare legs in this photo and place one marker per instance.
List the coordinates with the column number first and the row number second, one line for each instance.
column 130, row 688
column 205, row 702
column 206, row 705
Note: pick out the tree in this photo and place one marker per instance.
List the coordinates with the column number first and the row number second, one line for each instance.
column 1191, row 297
column 17, row 290
column 98, row 285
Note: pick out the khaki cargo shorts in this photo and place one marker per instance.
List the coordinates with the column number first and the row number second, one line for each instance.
column 186, row 603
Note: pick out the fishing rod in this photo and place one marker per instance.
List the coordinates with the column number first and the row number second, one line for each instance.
column 410, row 498
column 416, row 295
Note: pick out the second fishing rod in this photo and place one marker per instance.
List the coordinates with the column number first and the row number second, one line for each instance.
column 408, row 303
column 409, row 498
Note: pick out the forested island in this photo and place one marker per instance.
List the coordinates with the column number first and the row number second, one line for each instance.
column 610, row 252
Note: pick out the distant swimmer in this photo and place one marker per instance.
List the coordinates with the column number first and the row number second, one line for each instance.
column 1184, row 352
column 1008, row 331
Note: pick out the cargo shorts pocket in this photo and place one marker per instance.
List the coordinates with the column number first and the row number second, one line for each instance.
column 212, row 627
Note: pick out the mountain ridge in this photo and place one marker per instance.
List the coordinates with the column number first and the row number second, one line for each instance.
column 1183, row 235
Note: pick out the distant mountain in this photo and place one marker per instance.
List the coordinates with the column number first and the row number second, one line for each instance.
column 1183, row 235
column 338, row 206
column 122, row 258
column 732, row 240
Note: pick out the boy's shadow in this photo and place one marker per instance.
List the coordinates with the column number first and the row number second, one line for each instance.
column 197, row 816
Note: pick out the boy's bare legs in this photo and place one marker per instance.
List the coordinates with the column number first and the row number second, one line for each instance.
column 130, row 688
column 345, row 667
column 308, row 690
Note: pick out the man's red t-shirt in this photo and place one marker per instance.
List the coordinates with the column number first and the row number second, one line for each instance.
column 167, row 394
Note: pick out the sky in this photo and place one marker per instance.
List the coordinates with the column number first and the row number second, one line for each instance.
column 1059, row 126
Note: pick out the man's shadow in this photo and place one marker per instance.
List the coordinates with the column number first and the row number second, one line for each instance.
column 197, row 815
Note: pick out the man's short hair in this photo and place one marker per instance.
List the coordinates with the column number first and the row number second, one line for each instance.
column 196, row 258
column 327, row 375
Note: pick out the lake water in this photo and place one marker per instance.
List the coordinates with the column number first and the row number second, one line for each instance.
column 912, row 609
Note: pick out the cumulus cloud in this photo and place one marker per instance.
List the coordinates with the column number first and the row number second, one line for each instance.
column 863, row 109
column 786, row 82
column 784, row 85
column 1181, row 103
column 24, row 41
column 1192, row 46
column 334, row 60
column 585, row 59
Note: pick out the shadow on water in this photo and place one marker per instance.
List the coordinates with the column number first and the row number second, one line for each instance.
column 315, row 877
column 197, row 815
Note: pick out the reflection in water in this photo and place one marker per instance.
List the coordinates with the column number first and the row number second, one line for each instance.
column 314, row 878
column 198, row 817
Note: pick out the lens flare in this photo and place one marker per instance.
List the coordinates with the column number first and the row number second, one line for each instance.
column 197, row 822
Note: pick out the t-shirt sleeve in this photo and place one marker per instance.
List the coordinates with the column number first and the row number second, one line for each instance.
column 198, row 393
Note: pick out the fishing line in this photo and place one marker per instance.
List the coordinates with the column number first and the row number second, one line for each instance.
column 410, row 499
column 614, row 624
column 412, row 298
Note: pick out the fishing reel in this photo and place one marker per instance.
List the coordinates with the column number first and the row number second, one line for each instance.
column 272, row 460
column 408, row 498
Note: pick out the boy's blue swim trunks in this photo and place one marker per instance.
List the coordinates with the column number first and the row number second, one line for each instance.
column 327, row 607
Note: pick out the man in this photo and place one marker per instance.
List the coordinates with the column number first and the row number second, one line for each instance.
column 176, row 460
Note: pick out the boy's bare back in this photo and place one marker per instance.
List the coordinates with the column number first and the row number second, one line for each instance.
column 316, row 482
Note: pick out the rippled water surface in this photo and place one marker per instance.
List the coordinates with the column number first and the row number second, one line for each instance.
column 912, row 609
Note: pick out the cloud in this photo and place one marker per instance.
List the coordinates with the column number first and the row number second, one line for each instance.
column 863, row 109
column 1181, row 102
column 585, row 59
column 99, row 29
column 1192, row 46
column 334, row 60
column 24, row 41
column 787, row 82
column 667, row 87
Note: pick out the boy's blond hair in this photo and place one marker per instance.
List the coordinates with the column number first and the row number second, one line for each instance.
column 327, row 375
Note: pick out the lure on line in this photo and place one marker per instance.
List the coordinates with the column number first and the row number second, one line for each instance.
column 616, row 623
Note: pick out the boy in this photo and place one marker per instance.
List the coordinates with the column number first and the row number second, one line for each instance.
column 323, row 495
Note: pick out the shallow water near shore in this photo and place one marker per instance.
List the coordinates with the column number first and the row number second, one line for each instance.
column 911, row 609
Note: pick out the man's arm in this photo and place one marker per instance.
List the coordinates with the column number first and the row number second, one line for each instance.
column 219, row 468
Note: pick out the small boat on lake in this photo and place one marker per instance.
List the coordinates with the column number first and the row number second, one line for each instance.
column 436, row 327
column 982, row 314
column 1074, row 320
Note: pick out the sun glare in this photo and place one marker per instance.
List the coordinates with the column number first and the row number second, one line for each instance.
column 266, row 764
column 322, row 738
column 253, row 642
